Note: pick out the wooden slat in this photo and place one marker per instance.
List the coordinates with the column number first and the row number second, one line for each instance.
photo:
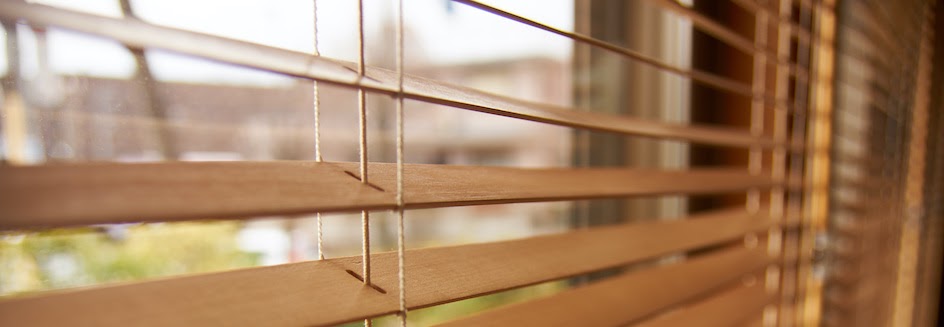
column 714, row 28
column 83, row 194
column 732, row 38
column 786, row 314
column 800, row 32
column 621, row 300
column 757, row 320
column 322, row 292
column 136, row 33
column 721, row 82
column 446, row 185
column 732, row 307
column 706, row 78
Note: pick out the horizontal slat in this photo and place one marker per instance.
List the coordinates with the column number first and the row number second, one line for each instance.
column 717, row 81
column 322, row 292
column 732, row 307
column 448, row 185
column 757, row 320
column 721, row 82
column 136, row 33
column 777, row 19
column 621, row 300
column 83, row 194
column 786, row 314
column 732, row 38
column 713, row 28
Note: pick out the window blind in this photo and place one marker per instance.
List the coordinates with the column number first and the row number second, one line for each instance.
column 883, row 94
column 740, row 257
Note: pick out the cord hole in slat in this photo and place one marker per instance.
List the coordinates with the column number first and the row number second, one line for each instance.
column 375, row 287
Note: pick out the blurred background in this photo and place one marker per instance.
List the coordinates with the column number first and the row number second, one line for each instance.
column 87, row 99
column 68, row 97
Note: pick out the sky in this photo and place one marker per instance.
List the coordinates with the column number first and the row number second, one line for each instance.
column 438, row 32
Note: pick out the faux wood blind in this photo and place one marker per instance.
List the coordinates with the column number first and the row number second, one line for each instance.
column 737, row 271
column 882, row 187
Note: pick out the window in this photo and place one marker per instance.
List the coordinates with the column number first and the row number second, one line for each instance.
column 454, row 162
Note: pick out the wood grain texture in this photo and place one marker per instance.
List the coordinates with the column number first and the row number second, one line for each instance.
column 756, row 320
column 732, row 307
column 623, row 299
column 324, row 293
column 84, row 194
column 446, row 185
column 136, row 33
column 97, row 193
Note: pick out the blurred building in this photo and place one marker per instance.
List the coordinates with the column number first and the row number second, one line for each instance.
column 101, row 119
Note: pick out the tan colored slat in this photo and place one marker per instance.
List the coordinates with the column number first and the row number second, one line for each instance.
column 800, row 32
column 787, row 314
column 757, row 320
column 629, row 297
column 322, row 292
column 136, row 33
column 721, row 82
column 709, row 26
column 83, row 194
column 446, row 185
column 715, row 29
column 732, row 38
column 729, row 308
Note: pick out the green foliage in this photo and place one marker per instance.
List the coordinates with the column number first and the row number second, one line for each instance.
column 78, row 257
column 455, row 310
column 70, row 258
